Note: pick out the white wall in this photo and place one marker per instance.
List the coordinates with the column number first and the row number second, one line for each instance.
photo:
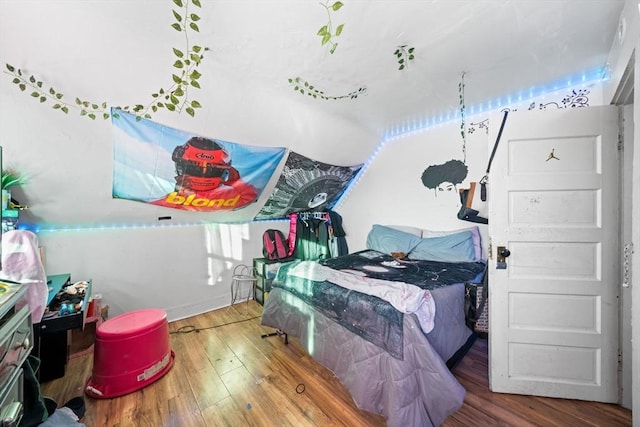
column 391, row 190
column 73, row 46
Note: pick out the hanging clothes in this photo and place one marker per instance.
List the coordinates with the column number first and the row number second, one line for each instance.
column 317, row 236
column 339, row 235
column 312, row 239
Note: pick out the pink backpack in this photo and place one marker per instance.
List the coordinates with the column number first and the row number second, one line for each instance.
column 274, row 244
column 291, row 238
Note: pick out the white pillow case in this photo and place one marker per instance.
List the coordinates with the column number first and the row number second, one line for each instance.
column 475, row 231
column 408, row 229
column 457, row 247
column 386, row 240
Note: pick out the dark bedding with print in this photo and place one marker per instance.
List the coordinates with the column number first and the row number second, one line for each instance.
column 425, row 274
column 372, row 318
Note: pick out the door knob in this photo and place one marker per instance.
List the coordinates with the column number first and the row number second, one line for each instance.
column 503, row 252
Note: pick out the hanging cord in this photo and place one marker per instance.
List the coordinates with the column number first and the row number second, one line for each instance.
column 463, row 115
column 485, row 178
column 190, row 328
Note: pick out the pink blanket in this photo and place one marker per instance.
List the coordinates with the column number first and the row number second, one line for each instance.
column 21, row 263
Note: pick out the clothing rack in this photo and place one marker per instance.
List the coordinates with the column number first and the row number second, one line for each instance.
column 322, row 216
column 313, row 215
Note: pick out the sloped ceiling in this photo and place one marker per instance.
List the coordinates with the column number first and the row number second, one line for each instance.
column 504, row 47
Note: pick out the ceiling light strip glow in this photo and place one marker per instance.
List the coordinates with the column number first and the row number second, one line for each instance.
column 422, row 124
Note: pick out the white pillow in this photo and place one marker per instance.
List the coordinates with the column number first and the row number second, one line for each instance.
column 386, row 240
column 475, row 231
column 456, row 247
column 407, row 229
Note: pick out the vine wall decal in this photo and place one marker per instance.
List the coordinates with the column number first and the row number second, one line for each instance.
column 326, row 32
column 404, row 55
column 329, row 36
column 575, row 99
column 175, row 98
column 463, row 111
column 306, row 88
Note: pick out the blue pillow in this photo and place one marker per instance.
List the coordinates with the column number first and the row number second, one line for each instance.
column 457, row 247
column 386, row 240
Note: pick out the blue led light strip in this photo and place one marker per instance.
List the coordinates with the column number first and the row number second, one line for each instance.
column 393, row 133
column 405, row 129
column 44, row 228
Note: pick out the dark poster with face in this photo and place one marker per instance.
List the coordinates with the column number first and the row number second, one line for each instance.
column 307, row 185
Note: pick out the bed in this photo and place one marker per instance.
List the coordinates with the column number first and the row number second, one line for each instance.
column 390, row 327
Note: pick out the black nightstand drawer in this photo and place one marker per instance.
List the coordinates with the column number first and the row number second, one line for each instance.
column 62, row 323
column 52, row 333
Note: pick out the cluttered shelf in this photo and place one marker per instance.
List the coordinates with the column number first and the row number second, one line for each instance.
column 70, row 308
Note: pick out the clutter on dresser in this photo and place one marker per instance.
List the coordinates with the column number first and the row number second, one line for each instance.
column 10, row 219
column 69, row 308
column 68, row 300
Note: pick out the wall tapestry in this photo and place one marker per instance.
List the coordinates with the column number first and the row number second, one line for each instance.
column 307, row 185
column 168, row 167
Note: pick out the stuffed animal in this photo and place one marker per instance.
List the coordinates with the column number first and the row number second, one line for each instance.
column 78, row 288
column 70, row 298
column 398, row 255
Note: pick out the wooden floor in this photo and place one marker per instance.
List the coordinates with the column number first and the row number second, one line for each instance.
column 225, row 374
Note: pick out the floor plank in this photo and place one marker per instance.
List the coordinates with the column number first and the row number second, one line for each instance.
column 226, row 374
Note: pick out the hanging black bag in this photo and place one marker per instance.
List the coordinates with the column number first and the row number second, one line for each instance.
column 474, row 199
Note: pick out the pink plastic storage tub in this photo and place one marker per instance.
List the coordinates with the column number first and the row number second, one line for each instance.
column 131, row 351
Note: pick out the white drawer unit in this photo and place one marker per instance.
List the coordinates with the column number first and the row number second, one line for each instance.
column 16, row 342
column 11, row 408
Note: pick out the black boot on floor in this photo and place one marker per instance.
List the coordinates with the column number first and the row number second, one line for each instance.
column 50, row 405
column 77, row 406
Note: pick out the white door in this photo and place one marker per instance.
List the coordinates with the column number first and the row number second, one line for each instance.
column 553, row 203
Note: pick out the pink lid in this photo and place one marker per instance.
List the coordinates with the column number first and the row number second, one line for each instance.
column 132, row 323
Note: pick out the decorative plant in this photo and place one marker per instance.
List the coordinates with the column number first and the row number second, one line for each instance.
column 174, row 98
column 404, row 55
column 11, row 178
column 304, row 87
column 463, row 124
column 326, row 31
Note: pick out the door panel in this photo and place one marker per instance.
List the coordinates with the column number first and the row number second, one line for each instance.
column 553, row 203
column 554, row 208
